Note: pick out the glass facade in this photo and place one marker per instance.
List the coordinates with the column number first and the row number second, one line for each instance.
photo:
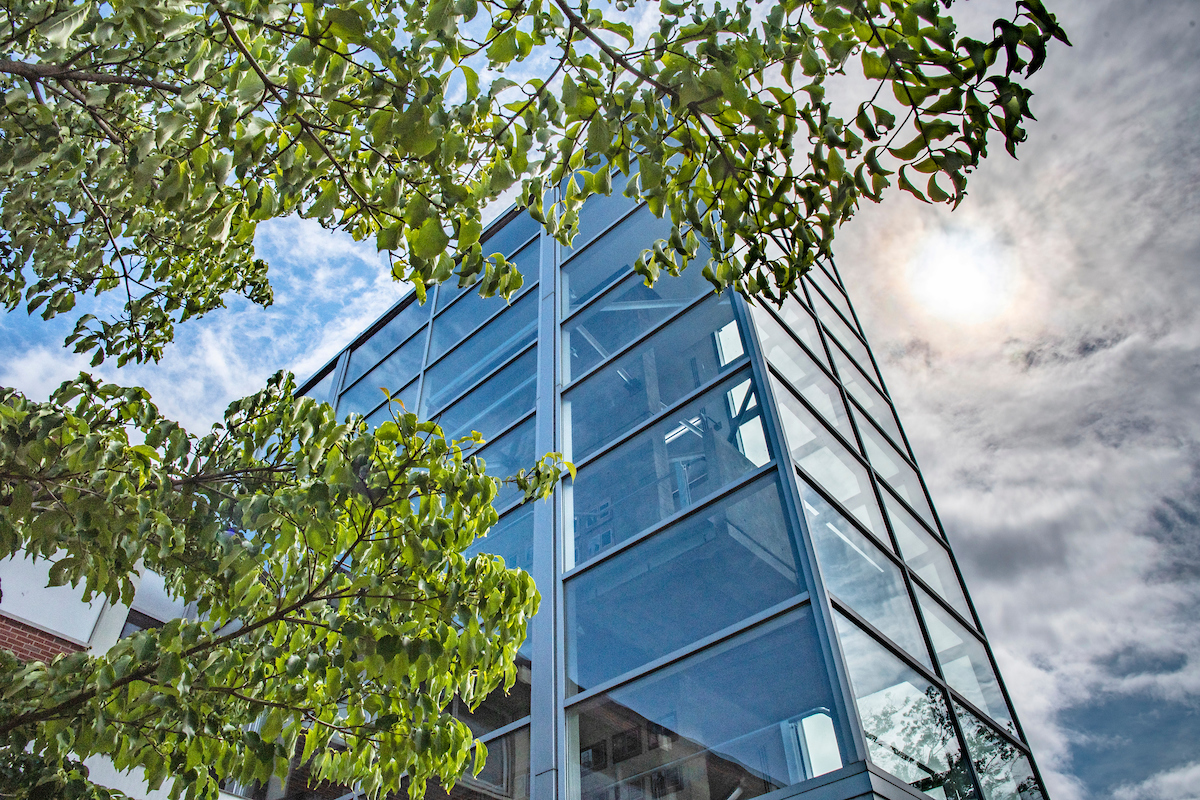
column 745, row 587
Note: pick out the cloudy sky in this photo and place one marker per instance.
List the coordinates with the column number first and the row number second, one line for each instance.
column 1042, row 344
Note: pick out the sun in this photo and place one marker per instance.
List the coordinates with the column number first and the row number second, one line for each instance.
column 963, row 276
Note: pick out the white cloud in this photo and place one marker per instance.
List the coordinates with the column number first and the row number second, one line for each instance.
column 1182, row 783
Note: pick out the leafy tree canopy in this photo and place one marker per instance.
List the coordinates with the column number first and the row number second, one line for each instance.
column 141, row 143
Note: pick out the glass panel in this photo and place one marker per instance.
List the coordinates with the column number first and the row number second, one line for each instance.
column 820, row 281
column 505, row 775
column 965, row 664
column 868, row 396
column 735, row 721
column 501, row 400
column 511, row 538
column 683, row 356
column 710, row 571
column 395, row 371
column 407, row 397
column 512, row 452
column 322, row 390
column 1003, row 770
column 506, row 240
column 827, row 462
column 592, row 270
column 395, row 331
column 908, row 727
column 684, row 457
column 925, row 556
column 801, row 324
column 797, row 366
column 630, row 308
column 598, row 212
column 892, row 467
column 491, row 345
column 842, row 333
column 457, row 323
column 860, row 575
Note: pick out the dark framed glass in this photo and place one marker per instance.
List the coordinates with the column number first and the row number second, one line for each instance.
column 594, row 269
column 1003, row 770
column 395, row 371
column 505, row 241
column 506, row 456
column 926, row 556
column 894, row 468
column 496, row 403
column 393, row 332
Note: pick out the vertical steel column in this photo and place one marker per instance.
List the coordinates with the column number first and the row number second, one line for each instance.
column 543, row 727
column 847, row 711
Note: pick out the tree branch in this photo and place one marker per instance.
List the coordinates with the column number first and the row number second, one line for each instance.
column 54, row 72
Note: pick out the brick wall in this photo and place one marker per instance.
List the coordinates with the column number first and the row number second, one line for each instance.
column 30, row 644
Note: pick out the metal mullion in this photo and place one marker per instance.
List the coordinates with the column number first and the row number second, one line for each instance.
column 600, row 235
column 931, row 675
column 895, row 495
column 916, row 470
column 385, row 401
column 478, row 327
column 851, row 325
column 848, row 724
column 510, row 427
column 919, row 582
column 805, row 348
column 832, row 270
column 906, row 457
column 471, row 387
column 341, row 364
column 467, row 289
column 842, row 286
column 719, row 637
column 649, row 422
column 390, row 353
column 986, row 719
column 329, row 367
column 854, row 521
column 679, row 516
column 855, row 450
column 504, row 730
column 640, row 340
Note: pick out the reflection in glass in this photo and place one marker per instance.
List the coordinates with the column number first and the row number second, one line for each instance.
column 625, row 312
column 681, row 357
column 905, row 719
column 1003, row 770
column 321, row 391
column 734, row 721
column 511, row 538
column 925, row 556
column 490, row 346
column 504, row 241
column 841, row 333
column 964, row 661
column 797, row 367
column 827, row 462
column 395, row 371
column 505, row 775
column 512, row 452
column 383, row 341
column 797, row 319
column 457, row 323
column 862, row 390
column 498, row 402
column 861, row 576
column 592, row 270
column 832, row 292
column 598, row 212
column 892, row 467
column 703, row 574
column 686, row 456
column 408, row 401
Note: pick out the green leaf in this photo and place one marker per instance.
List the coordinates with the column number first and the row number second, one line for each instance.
column 59, row 28
column 431, row 240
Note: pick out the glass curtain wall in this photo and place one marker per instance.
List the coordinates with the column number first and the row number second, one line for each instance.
column 747, row 582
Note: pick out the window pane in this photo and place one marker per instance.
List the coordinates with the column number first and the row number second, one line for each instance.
column 737, row 720
column 506, row 241
column 512, row 452
column 598, row 212
column 842, row 333
column 395, row 371
column 905, row 719
column 322, row 389
column 797, row 367
column 928, row 559
column 834, row 294
column 395, row 331
column 501, row 400
column 408, row 399
column 686, row 456
column 490, row 346
column 594, row 269
column 869, row 397
column 505, row 776
column 964, row 661
column 457, row 323
column 705, row 573
column 1003, row 770
column 892, row 467
column 827, row 462
column 681, row 357
column 627, row 310
column 800, row 322
column 511, row 538
column 861, row 576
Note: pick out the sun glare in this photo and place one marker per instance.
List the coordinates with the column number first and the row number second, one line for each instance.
column 962, row 276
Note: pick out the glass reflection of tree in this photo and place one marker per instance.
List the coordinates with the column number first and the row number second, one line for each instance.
column 1003, row 770
column 912, row 737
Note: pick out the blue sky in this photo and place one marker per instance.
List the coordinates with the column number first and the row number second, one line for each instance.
column 1042, row 344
